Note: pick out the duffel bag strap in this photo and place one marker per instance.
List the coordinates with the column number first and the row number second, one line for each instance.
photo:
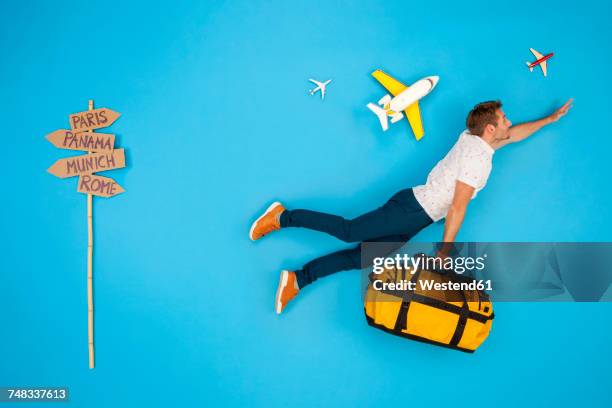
column 463, row 317
column 402, row 317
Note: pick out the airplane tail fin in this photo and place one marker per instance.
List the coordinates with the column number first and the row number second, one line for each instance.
column 385, row 100
column 382, row 115
column 529, row 66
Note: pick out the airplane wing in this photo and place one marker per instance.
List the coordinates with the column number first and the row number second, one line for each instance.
column 317, row 83
column 543, row 66
column 413, row 113
column 536, row 54
column 391, row 84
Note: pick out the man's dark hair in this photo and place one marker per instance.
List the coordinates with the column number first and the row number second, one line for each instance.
column 483, row 114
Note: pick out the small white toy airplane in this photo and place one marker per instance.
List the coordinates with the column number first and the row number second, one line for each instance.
column 320, row 87
column 540, row 60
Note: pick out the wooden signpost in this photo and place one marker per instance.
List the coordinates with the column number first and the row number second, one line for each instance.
column 101, row 156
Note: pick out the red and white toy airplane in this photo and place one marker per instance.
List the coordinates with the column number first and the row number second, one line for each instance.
column 540, row 60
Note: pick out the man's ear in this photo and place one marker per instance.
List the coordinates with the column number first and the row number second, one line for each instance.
column 490, row 128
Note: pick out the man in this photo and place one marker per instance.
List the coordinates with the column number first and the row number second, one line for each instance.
column 450, row 186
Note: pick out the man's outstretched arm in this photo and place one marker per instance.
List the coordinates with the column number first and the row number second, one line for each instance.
column 456, row 214
column 523, row 130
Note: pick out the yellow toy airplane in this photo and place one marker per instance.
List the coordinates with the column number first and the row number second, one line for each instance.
column 408, row 103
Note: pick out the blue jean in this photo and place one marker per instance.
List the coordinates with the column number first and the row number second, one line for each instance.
column 397, row 221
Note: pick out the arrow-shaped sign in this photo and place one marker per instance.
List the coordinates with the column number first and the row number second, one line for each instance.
column 99, row 186
column 93, row 119
column 88, row 163
column 87, row 141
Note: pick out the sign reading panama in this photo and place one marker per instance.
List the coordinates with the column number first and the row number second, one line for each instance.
column 86, row 141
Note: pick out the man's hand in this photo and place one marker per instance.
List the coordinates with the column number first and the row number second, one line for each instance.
column 523, row 130
column 442, row 255
column 562, row 111
column 444, row 250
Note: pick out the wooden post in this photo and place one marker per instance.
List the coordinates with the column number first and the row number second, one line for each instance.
column 90, row 306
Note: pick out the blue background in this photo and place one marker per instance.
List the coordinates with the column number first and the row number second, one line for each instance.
column 217, row 123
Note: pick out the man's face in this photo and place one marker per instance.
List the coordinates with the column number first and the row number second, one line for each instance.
column 502, row 130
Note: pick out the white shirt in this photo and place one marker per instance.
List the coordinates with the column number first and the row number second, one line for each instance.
column 470, row 161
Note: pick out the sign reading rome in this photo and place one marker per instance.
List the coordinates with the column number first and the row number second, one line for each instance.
column 99, row 186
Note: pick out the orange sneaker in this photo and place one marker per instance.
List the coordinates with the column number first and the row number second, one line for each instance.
column 287, row 290
column 268, row 222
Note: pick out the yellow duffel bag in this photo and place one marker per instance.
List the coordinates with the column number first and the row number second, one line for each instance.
column 458, row 319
